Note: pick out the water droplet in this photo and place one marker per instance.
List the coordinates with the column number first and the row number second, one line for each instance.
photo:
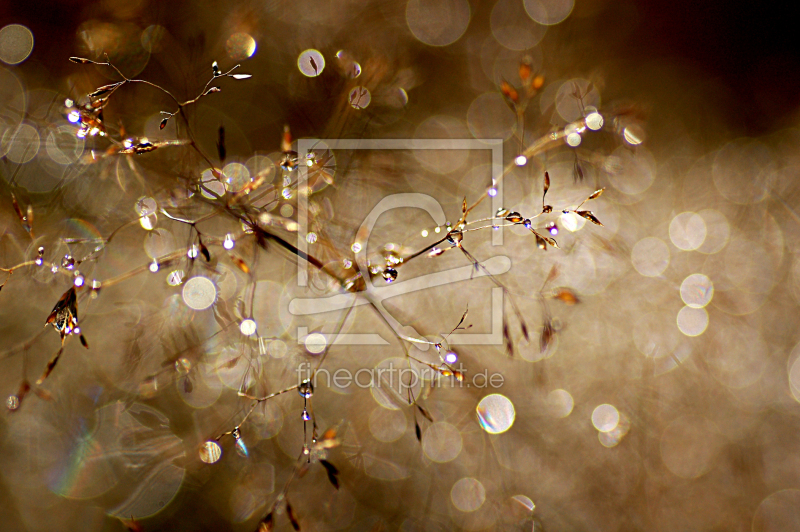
column 286, row 193
column 454, row 238
column 54, row 268
column 38, row 261
column 451, row 357
column 192, row 253
column 552, row 228
column 306, row 389
column 40, row 251
column 241, row 448
column 210, row 452
column 12, row 403
column 390, row 274
column 154, row 266
column 501, row 212
column 492, row 192
column 527, row 223
column 514, row 217
column 356, row 247
column 79, row 280
column 228, row 242
column 183, row 365
column 306, row 416
column 68, row 262
column 311, row 237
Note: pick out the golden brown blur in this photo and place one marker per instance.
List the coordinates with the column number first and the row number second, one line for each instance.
column 430, row 265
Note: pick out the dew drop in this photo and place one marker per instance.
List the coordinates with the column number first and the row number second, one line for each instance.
column 514, row 217
column 12, row 403
column 68, row 262
column 390, row 274
column 306, row 389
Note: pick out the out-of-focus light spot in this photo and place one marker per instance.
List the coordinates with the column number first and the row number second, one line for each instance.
column 199, row 293
column 286, row 210
column 158, row 243
column 424, row 233
column 387, row 425
column 605, row 418
column 311, row 63
column 633, row 134
column 451, row 357
column 146, row 207
column 572, row 98
column 717, row 231
column 240, row 46
column 311, row 237
column 212, row 188
column 687, row 231
column 356, row 247
column 152, row 38
column 277, row 349
column 441, row 442
column 74, row 116
column 692, row 321
column 496, row 413
column 315, row 343
column 247, row 327
column 512, row 28
column 437, row 23
column 488, row 117
column 21, row 144
column 492, row 192
column 175, row 277
column 560, row 403
column 697, row 290
column 613, row 437
column 228, row 242
column 650, row 257
column 778, row 512
column 688, row 446
column 359, row 98
column 79, row 281
column 235, row 176
column 573, row 139
column 521, row 160
column 631, row 171
column 549, row 12
column 210, row 452
column 594, row 121
column 571, row 221
column 16, row 44
column 743, row 171
column 154, row 266
column 468, row 494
